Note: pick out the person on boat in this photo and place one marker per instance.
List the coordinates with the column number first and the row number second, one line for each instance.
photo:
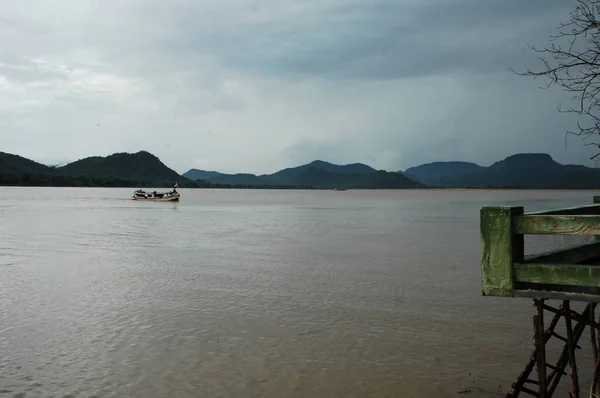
column 175, row 186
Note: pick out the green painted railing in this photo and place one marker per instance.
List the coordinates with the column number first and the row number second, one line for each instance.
column 569, row 273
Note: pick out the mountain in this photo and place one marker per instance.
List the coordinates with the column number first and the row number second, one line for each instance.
column 317, row 174
column 238, row 179
column 216, row 177
column 436, row 172
column 228, row 179
column 287, row 176
column 529, row 161
column 117, row 170
column 143, row 169
column 15, row 164
column 140, row 166
column 325, row 179
column 526, row 170
column 195, row 174
column 386, row 180
column 320, row 178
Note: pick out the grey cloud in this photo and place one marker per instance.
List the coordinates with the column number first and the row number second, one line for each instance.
column 199, row 82
column 384, row 39
column 23, row 71
column 375, row 40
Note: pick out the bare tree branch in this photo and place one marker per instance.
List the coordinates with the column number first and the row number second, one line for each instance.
column 572, row 62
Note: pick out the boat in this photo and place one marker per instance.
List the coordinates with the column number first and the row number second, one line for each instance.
column 171, row 196
column 154, row 196
column 340, row 189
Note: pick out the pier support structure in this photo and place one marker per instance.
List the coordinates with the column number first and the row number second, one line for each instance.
column 570, row 275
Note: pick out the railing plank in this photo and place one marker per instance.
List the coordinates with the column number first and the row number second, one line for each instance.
column 558, row 274
column 569, row 211
column 573, row 254
column 557, row 225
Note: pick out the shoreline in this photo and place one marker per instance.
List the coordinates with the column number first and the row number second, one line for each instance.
column 284, row 188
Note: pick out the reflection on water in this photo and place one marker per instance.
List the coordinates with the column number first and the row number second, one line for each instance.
column 255, row 294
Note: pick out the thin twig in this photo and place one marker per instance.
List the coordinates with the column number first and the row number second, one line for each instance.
column 572, row 62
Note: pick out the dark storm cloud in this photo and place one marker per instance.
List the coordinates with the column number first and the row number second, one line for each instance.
column 390, row 83
column 383, row 39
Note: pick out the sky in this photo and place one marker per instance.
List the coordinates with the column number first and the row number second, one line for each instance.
column 260, row 85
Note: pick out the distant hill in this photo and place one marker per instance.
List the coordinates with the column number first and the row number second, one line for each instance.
column 143, row 169
column 140, row 166
column 523, row 170
column 287, row 176
column 387, row 180
column 436, row 172
column 527, row 161
column 317, row 174
column 15, row 164
column 229, row 179
column 117, row 170
column 320, row 178
column 237, row 179
column 532, row 170
column 195, row 174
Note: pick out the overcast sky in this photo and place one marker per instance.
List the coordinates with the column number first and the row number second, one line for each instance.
column 259, row 85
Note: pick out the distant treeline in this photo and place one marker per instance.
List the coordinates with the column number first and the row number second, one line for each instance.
column 47, row 180
column 58, row 180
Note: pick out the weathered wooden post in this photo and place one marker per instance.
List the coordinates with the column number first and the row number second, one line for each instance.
column 569, row 274
column 501, row 248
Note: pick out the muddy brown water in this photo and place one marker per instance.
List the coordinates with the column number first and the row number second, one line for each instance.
column 257, row 293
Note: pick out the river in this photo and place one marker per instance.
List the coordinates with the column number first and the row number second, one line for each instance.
column 256, row 293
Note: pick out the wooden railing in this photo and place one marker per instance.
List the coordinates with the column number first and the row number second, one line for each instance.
column 568, row 273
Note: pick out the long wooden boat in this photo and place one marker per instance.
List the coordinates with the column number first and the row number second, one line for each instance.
column 154, row 196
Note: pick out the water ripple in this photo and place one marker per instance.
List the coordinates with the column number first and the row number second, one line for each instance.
column 250, row 294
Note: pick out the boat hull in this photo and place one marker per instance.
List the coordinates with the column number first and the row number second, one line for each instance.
column 168, row 199
column 156, row 196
